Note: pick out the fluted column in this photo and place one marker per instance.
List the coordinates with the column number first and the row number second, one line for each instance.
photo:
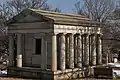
column 86, row 50
column 106, row 61
column 93, row 49
column 79, row 51
column 11, row 50
column 109, row 58
column 75, row 49
column 99, row 49
column 54, row 53
column 71, row 48
column 19, row 50
column 62, row 51
column 67, row 51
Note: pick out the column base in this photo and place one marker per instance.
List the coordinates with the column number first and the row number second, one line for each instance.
column 30, row 73
column 37, row 73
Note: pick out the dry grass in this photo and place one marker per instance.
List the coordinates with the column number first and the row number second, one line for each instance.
column 3, row 66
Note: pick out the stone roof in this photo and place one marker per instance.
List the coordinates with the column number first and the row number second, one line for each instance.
column 57, row 18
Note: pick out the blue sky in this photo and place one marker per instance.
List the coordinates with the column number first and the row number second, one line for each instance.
column 67, row 6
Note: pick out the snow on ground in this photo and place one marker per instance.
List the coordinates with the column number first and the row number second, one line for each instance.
column 3, row 72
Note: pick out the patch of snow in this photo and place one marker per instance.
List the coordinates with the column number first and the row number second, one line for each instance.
column 3, row 72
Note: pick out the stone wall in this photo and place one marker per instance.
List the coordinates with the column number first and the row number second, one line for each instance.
column 36, row 73
column 30, row 58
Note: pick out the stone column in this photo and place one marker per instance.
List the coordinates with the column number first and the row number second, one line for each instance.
column 99, row 49
column 106, row 61
column 67, row 51
column 93, row 50
column 82, row 37
column 75, row 49
column 109, row 58
column 54, row 53
column 79, row 51
column 62, row 51
column 11, row 50
column 19, row 50
column 86, row 50
column 71, row 48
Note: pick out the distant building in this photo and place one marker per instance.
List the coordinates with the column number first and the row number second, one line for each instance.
column 50, row 45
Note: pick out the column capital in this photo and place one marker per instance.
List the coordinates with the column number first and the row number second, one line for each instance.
column 93, row 34
column 53, row 34
column 85, row 35
column 10, row 34
column 62, row 34
column 77, row 34
column 71, row 33
column 19, row 34
column 100, row 34
column 68, row 34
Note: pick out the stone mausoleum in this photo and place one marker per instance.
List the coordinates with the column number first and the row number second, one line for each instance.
column 52, row 46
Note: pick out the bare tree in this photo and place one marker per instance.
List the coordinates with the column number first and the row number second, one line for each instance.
column 101, row 11
column 12, row 7
column 19, row 5
column 98, row 10
column 5, row 12
column 80, row 8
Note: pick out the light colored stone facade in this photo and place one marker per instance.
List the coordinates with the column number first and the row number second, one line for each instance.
column 67, row 46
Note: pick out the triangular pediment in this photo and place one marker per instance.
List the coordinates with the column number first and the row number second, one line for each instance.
column 28, row 16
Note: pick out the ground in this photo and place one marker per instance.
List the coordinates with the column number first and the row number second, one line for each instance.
column 37, row 79
column 10, row 79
